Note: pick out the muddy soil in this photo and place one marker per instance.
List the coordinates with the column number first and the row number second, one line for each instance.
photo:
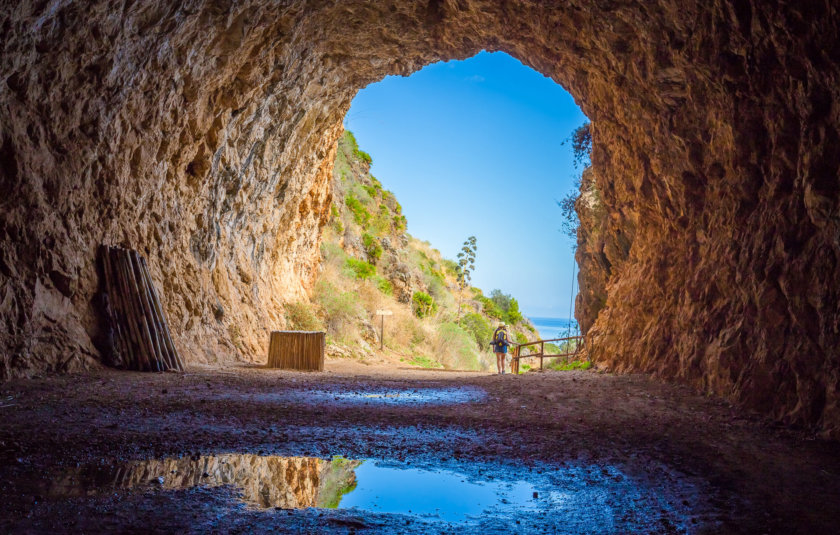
column 603, row 453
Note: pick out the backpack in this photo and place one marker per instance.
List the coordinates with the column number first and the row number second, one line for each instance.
column 500, row 338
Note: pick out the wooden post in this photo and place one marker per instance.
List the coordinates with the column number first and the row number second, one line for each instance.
column 297, row 350
column 382, row 314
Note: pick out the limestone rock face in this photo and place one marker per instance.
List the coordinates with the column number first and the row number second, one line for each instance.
column 202, row 133
column 601, row 248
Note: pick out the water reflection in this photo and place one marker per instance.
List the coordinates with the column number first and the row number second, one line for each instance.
column 583, row 498
column 420, row 396
column 439, row 494
column 376, row 396
column 265, row 481
column 299, row 482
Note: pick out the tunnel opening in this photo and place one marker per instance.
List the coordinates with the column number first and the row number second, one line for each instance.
column 204, row 136
column 472, row 147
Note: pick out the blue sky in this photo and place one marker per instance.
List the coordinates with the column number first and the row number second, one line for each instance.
column 473, row 148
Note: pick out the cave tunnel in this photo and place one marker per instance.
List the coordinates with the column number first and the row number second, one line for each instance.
column 202, row 135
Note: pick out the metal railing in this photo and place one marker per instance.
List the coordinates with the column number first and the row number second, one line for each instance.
column 576, row 342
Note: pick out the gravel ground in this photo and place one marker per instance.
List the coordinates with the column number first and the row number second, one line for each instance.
column 609, row 454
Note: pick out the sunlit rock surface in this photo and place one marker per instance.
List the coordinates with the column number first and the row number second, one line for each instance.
column 202, row 134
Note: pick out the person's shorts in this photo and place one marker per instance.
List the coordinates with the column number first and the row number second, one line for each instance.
column 500, row 349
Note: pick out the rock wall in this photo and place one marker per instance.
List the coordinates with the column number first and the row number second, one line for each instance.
column 601, row 249
column 202, row 133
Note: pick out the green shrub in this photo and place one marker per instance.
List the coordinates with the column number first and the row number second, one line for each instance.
column 361, row 269
column 358, row 190
column 360, row 214
column 372, row 247
column 567, row 346
column 457, row 347
column 552, row 349
column 363, row 156
column 513, row 315
column 425, row 362
column 380, row 222
column 423, row 304
column 336, row 481
column 384, row 285
column 521, row 338
column 350, row 139
column 341, row 309
column 354, row 147
column 507, row 306
column 400, row 224
column 490, row 308
column 301, row 317
column 480, row 329
column 560, row 365
column 373, row 191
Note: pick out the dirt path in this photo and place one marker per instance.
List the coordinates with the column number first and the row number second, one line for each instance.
column 603, row 453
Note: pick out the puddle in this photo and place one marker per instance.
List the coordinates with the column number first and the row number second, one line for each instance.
column 395, row 396
column 580, row 498
column 419, row 396
column 437, row 494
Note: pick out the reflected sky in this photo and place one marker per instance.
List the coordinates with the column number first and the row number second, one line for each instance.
column 442, row 494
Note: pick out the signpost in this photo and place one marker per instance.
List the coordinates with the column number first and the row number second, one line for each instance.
column 382, row 314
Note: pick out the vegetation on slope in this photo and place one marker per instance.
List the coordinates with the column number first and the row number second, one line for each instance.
column 371, row 263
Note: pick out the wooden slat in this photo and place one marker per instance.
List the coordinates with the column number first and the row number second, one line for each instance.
column 296, row 350
column 174, row 357
column 133, row 327
column 140, row 328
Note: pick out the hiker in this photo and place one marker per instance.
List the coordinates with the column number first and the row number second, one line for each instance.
column 500, row 344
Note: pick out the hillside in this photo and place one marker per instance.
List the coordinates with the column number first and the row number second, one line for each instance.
column 370, row 262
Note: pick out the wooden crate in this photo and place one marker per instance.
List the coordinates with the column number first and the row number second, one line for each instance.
column 297, row 350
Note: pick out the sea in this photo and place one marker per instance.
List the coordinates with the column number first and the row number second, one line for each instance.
column 554, row 327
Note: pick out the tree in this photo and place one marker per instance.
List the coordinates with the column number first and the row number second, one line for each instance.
column 466, row 265
column 514, row 316
column 507, row 305
column 569, row 216
column 581, row 141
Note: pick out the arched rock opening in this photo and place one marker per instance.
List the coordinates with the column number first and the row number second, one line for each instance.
column 202, row 134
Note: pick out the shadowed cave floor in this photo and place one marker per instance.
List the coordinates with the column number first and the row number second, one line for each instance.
column 602, row 453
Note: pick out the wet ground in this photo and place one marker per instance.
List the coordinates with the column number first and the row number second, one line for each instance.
column 366, row 449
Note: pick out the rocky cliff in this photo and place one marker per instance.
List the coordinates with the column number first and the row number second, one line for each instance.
column 202, row 134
